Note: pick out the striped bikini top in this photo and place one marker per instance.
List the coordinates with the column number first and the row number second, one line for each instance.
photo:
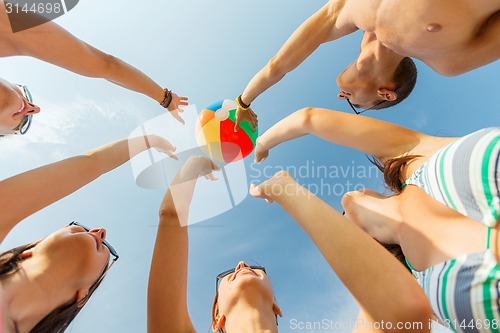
column 464, row 175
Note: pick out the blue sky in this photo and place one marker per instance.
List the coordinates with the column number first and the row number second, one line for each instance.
column 209, row 51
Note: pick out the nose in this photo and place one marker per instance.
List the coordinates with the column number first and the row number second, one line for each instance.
column 241, row 265
column 31, row 108
column 101, row 232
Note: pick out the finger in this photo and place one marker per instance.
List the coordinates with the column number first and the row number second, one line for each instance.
column 254, row 127
column 237, row 124
column 183, row 103
column 254, row 190
column 206, row 177
column 183, row 98
column 171, row 147
column 211, row 176
column 171, row 154
column 214, row 166
column 178, row 117
column 179, row 110
column 269, row 201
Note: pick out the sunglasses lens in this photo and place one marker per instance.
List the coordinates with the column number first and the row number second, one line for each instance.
column 25, row 124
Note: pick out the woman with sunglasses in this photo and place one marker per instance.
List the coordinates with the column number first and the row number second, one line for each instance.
column 244, row 296
column 51, row 43
column 442, row 188
column 44, row 284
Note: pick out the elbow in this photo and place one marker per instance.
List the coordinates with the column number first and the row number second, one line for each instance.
column 417, row 312
column 305, row 116
column 168, row 213
column 275, row 69
column 102, row 66
column 108, row 63
column 95, row 164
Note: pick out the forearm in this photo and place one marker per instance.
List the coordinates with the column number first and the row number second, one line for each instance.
column 263, row 80
column 129, row 77
column 289, row 128
column 167, row 287
column 47, row 184
column 376, row 279
column 368, row 135
column 114, row 154
column 316, row 30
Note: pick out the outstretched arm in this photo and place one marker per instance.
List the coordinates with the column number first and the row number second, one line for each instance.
column 167, row 286
column 29, row 192
column 371, row 136
column 381, row 285
column 327, row 24
column 51, row 43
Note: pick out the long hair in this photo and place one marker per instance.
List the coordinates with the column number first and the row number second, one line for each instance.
column 58, row 319
column 393, row 178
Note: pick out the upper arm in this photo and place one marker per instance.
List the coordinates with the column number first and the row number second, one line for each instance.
column 51, row 43
column 167, row 286
column 375, row 137
column 364, row 324
column 327, row 24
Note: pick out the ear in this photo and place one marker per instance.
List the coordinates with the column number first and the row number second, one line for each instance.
column 26, row 254
column 387, row 94
column 219, row 323
column 80, row 294
column 277, row 310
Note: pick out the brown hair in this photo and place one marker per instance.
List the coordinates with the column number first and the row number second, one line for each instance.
column 58, row 319
column 405, row 78
column 392, row 170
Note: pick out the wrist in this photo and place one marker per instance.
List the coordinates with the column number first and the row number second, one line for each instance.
column 167, row 98
column 281, row 186
column 241, row 104
column 151, row 140
column 262, row 142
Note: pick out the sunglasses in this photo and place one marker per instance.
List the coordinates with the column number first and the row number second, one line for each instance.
column 112, row 250
column 362, row 111
column 25, row 124
column 230, row 271
column 222, row 275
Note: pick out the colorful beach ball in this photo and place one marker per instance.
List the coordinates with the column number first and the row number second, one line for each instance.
column 216, row 136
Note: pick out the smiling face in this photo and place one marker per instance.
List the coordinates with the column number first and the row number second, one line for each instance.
column 251, row 286
column 244, row 281
column 13, row 107
column 83, row 253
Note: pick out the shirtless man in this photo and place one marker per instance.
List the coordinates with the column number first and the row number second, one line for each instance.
column 451, row 36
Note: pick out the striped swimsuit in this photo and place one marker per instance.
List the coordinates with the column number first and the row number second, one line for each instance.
column 464, row 292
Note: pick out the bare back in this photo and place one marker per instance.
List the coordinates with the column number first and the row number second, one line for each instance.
column 451, row 36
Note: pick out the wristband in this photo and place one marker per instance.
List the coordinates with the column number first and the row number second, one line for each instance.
column 167, row 99
column 242, row 105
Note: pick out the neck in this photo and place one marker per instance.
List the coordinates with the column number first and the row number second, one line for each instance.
column 246, row 318
column 377, row 59
column 25, row 296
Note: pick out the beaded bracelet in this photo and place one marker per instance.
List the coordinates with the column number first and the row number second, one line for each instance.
column 242, row 105
column 167, row 99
